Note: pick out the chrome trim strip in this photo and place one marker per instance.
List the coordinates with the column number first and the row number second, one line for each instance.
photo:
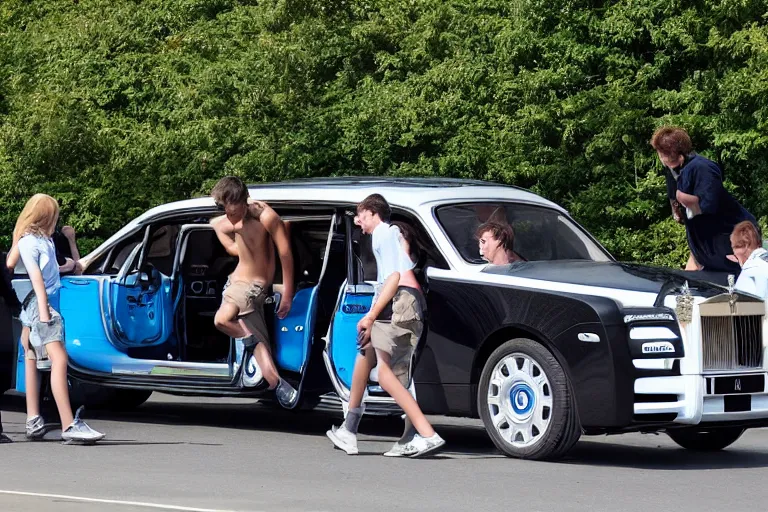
column 175, row 368
column 648, row 316
column 652, row 333
column 653, row 364
column 623, row 297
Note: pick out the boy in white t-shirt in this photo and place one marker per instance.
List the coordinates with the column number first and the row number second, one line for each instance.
column 388, row 333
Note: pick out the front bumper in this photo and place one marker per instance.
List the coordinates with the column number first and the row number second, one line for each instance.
column 688, row 399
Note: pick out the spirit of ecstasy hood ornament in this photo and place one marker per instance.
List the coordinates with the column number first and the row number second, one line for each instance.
column 684, row 307
column 732, row 296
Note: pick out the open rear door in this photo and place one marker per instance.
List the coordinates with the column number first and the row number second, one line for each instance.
column 139, row 302
column 201, row 271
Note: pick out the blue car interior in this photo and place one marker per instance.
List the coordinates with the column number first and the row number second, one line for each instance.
column 353, row 306
column 203, row 275
column 156, row 315
column 142, row 308
column 352, row 309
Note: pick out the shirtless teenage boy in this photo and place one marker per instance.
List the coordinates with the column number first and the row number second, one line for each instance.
column 247, row 230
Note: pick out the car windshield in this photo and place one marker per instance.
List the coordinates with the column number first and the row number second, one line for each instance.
column 540, row 234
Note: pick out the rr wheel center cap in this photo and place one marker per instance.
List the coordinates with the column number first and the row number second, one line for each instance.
column 522, row 400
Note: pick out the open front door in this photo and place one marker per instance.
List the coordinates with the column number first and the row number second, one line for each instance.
column 354, row 301
column 139, row 302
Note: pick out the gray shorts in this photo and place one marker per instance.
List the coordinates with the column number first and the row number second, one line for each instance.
column 398, row 332
column 41, row 333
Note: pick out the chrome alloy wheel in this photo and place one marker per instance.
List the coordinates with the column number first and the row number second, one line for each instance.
column 520, row 400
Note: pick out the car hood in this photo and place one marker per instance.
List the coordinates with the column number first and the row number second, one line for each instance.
column 616, row 275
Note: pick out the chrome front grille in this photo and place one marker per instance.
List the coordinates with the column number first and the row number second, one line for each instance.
column 732, row 342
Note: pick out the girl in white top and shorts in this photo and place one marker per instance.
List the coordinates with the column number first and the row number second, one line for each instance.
column 43, row 329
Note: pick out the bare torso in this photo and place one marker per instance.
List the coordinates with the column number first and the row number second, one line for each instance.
column 255, row 249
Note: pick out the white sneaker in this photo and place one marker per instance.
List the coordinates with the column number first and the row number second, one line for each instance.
column 421, row 446
column 398, row 449
column 343, row 439
column 80, row 431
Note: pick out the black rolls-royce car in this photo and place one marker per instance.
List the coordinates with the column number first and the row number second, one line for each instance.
column 563, row 342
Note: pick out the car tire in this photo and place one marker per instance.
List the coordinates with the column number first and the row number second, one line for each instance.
column 5, row 381
column 128, row 399
column 526, row 402
column 705, row 440
column 92, row 396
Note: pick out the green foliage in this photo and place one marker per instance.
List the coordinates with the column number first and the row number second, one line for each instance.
column 114, row 106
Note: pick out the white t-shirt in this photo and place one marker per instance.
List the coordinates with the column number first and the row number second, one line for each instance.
column 38, row 251
column 754, row 274
column 390, row 254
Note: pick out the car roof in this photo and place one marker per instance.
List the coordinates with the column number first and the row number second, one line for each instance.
column 403, row 192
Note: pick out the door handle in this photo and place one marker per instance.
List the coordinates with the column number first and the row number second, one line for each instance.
column 78, row 282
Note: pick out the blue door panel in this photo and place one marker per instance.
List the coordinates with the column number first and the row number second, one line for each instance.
column 344, row 334
column 142, row 317
column 292, row 344
column 20, row 370
column 86, row 340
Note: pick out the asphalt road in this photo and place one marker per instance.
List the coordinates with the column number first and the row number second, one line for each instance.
column 217, row 454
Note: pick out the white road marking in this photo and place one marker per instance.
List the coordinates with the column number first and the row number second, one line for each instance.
column 112, row 502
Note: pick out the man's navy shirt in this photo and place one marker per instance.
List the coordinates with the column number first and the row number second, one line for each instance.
column 709, row 232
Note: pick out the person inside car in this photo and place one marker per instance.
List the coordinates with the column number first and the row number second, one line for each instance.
column 495, row 241
column 753, row 259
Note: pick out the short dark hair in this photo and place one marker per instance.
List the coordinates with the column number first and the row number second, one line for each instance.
column 230, row 190
column 500, row 231
column 672, row 140
column 376, row 203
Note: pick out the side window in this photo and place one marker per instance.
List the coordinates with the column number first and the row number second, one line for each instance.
column 363, row 251
column 96, row 267
column 162, row 247
column 539, row 233
column 113, row 261
column 429, row 255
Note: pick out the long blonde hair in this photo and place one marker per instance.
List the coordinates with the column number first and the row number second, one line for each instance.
column 38, row 217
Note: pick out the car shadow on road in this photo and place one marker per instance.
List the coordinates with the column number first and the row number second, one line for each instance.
column 607, row 454
column 463, row 441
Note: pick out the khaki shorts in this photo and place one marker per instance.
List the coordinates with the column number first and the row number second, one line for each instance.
column 249, row 297
column 399, row 335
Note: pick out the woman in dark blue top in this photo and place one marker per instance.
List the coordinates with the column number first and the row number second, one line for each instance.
column 699, row 200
